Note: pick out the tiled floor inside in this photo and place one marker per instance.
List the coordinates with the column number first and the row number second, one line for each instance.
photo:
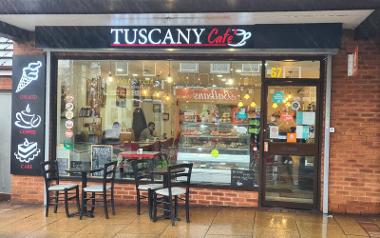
column 29, row 221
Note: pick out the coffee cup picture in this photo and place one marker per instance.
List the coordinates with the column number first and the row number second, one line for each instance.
column 26, row 119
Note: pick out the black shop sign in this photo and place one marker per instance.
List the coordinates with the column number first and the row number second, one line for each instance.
column 280, row 36
column 28, row 114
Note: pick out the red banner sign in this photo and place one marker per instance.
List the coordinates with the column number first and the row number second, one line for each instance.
column 206, row 94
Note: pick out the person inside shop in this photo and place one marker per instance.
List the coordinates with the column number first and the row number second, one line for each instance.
column 148, row 133
column 111, row 136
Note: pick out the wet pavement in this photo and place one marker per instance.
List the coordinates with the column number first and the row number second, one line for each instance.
column 29, row 221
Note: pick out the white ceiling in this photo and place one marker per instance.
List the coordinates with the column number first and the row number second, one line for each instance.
column 350, row 19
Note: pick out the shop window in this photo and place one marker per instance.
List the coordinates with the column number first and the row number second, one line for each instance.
column 292, row 69
column 204, row 112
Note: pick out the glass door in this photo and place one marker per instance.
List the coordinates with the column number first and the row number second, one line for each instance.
column 290, row 148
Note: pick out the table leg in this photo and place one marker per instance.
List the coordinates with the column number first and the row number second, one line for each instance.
column 85, row 212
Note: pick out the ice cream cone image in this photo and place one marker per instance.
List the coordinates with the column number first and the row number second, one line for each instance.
column 29, row 74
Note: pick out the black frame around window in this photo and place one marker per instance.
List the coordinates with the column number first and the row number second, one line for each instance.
column 193, row 57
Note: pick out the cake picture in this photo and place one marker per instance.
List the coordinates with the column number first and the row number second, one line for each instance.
column 27, row 151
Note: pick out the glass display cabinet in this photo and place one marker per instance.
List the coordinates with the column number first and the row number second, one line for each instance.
column 214, row 149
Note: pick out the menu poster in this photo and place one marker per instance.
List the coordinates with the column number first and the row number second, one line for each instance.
column 273, row 132
column 242, row 178
column 28, row 114
column 100, row 155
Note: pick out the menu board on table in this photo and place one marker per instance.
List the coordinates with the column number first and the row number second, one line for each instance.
column 100, row 155
column 28, row 114
column 241, row 178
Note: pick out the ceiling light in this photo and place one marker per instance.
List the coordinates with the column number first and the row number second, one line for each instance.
column 246, row 96
column 219, row 76
column 230, row 82
column 119, row 70
column 240, row 104
column 135, row 75
column 253, row 104
column 169, row 79
column 224, row 79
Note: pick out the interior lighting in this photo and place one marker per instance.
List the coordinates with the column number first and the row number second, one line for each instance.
column 246, row 96
column 169, row 78
column 253, row 104
column 274, row 105
column 230, row 82
column 240, row 104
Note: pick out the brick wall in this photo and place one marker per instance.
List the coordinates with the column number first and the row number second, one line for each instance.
column 29, row 189
column 355, row 146
column 5, row 83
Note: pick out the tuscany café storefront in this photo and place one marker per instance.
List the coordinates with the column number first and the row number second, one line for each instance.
column 242, row 103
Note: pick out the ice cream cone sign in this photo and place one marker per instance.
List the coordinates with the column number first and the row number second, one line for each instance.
column 29, row 74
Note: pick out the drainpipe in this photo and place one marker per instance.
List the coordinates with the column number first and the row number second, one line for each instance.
column 326, row 149
column 47, row 111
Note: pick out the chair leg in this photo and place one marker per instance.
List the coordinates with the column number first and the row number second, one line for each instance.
column 105, row 204
column 175, row 206
column 150, row 203
column 47, row 204
column 56, row 201
column 154, row 204
column 171, row 211
column 187, row 208
column 66, row 204
column 77, row 199
column 138, row 201
column 92, row 203
column 112, row 202
column 83, row 206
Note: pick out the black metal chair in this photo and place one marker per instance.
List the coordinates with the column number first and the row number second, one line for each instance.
column 51, row 176
column 104, row 190
column 177, row 185
column 144, row 181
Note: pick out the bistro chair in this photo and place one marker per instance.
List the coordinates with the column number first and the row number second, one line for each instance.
column 177, row 187
column 51, row 176
column 105, row 192
column 144, row 181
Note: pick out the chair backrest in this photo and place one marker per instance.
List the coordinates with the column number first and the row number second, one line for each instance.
column 142, row 169
column 109, row 172
column 156, row 146
column 50, row 172
column 184, row 175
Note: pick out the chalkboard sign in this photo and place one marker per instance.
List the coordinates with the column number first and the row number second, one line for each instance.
column 100, row 155
column 242, row 178
column 63, row 165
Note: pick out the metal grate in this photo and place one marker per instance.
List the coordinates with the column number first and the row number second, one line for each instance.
column 6, row 54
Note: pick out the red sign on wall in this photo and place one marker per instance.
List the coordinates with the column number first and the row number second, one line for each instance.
column 206, row 94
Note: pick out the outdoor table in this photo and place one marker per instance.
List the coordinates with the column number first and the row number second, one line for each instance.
column 164, row 172
column 84, row 171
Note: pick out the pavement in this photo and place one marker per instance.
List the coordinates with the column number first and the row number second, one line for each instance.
column 214, row 222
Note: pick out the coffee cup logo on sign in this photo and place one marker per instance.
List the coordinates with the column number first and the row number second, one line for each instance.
column 26, row 119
